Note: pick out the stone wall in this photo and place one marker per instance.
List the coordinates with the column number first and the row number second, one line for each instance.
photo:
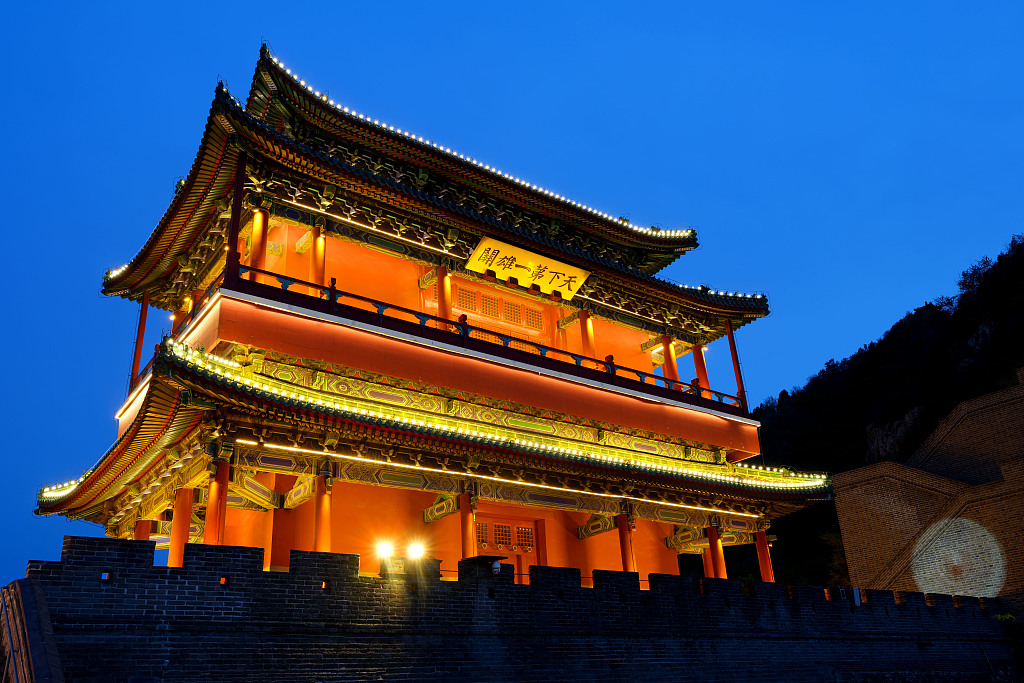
column 220, row 617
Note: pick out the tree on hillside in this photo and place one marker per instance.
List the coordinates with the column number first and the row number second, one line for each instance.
column 884, row 400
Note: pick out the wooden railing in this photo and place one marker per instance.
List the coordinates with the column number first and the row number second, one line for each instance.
column 332, row 301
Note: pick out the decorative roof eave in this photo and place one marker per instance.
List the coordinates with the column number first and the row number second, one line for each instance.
column 162, row 420
column 272, row 79
column 300, row 159
column 199, row 373
column 205, row 192
column 208, row 182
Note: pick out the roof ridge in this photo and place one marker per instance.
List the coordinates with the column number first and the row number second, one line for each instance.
column 638, row 230
column 701, row 291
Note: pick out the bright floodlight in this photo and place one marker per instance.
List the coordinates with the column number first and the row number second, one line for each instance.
column 384, row 549
column 416, row 551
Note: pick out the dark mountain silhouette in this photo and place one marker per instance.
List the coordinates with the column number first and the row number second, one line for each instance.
column 884, row 400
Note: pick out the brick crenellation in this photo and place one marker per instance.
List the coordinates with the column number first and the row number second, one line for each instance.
column 115, row 616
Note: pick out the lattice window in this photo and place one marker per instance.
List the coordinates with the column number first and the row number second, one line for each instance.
column 524, row 537
column 533, row 318
column 513, row 313
column 465, row 299
column 481, row 533
column 502, row 534
column 490, row 306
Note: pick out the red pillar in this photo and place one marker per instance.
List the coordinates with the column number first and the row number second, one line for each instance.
column 587, row 330
column 144, row 308
column 232, row 246
column 217, row 505
column 258, row 250
column 741, row 394
column 468, row 518
column 626, row 543
column 669, row 368
column 322, row 516
column 318, row 264
column 181, row 522
column 709, row 567
column 701, row 368
column 142, row 529
column 444, row 295
column 764, row 558
column 717, row 555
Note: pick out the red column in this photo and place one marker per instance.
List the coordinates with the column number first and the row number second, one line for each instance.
column 701, row 368
column 232, row 246
column 318, row 264
column 709, row 567
column 144, row 307
column 669, row 368
column 444, row 294
column 181, row 522
column 322, row 516
column 468, row 518
column 764, row 558
column 258, row 250
column 142, row 529
column 626, row 543
column 217, row 505
column 741, row 394
column 717, row 555
column 587, row 330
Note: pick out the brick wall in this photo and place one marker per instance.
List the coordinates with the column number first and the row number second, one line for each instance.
column 971, row 442
column 947, row 520
column 220, row 617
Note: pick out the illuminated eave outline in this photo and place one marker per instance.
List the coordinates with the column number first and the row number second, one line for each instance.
column 672, row 234
column 201, row 361
column 471, row 475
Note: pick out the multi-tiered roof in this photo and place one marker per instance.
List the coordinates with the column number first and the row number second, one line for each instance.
column 321, row 164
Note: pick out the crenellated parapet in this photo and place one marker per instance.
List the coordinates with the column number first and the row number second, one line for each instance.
column 221, row 616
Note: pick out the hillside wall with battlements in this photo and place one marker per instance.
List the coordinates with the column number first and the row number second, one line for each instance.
column 110, row 615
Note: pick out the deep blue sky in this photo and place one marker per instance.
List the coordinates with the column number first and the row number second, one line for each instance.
column 848, row 160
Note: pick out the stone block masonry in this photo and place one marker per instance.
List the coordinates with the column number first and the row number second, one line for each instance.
column 113, row 616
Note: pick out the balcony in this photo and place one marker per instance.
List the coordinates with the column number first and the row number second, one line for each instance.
column 461, row 335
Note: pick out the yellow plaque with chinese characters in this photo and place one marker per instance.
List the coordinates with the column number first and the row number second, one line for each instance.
column 526, row 267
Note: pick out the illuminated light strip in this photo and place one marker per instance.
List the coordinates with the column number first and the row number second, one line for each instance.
column 296, row 449
column 208, row 361
column 364, row 226
column 448, row 430
column 111, row 274
column 316, row 400
column 501, row 174
column 59, row 490
column 139, row 388
column 204, row 311
column 373, row 329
